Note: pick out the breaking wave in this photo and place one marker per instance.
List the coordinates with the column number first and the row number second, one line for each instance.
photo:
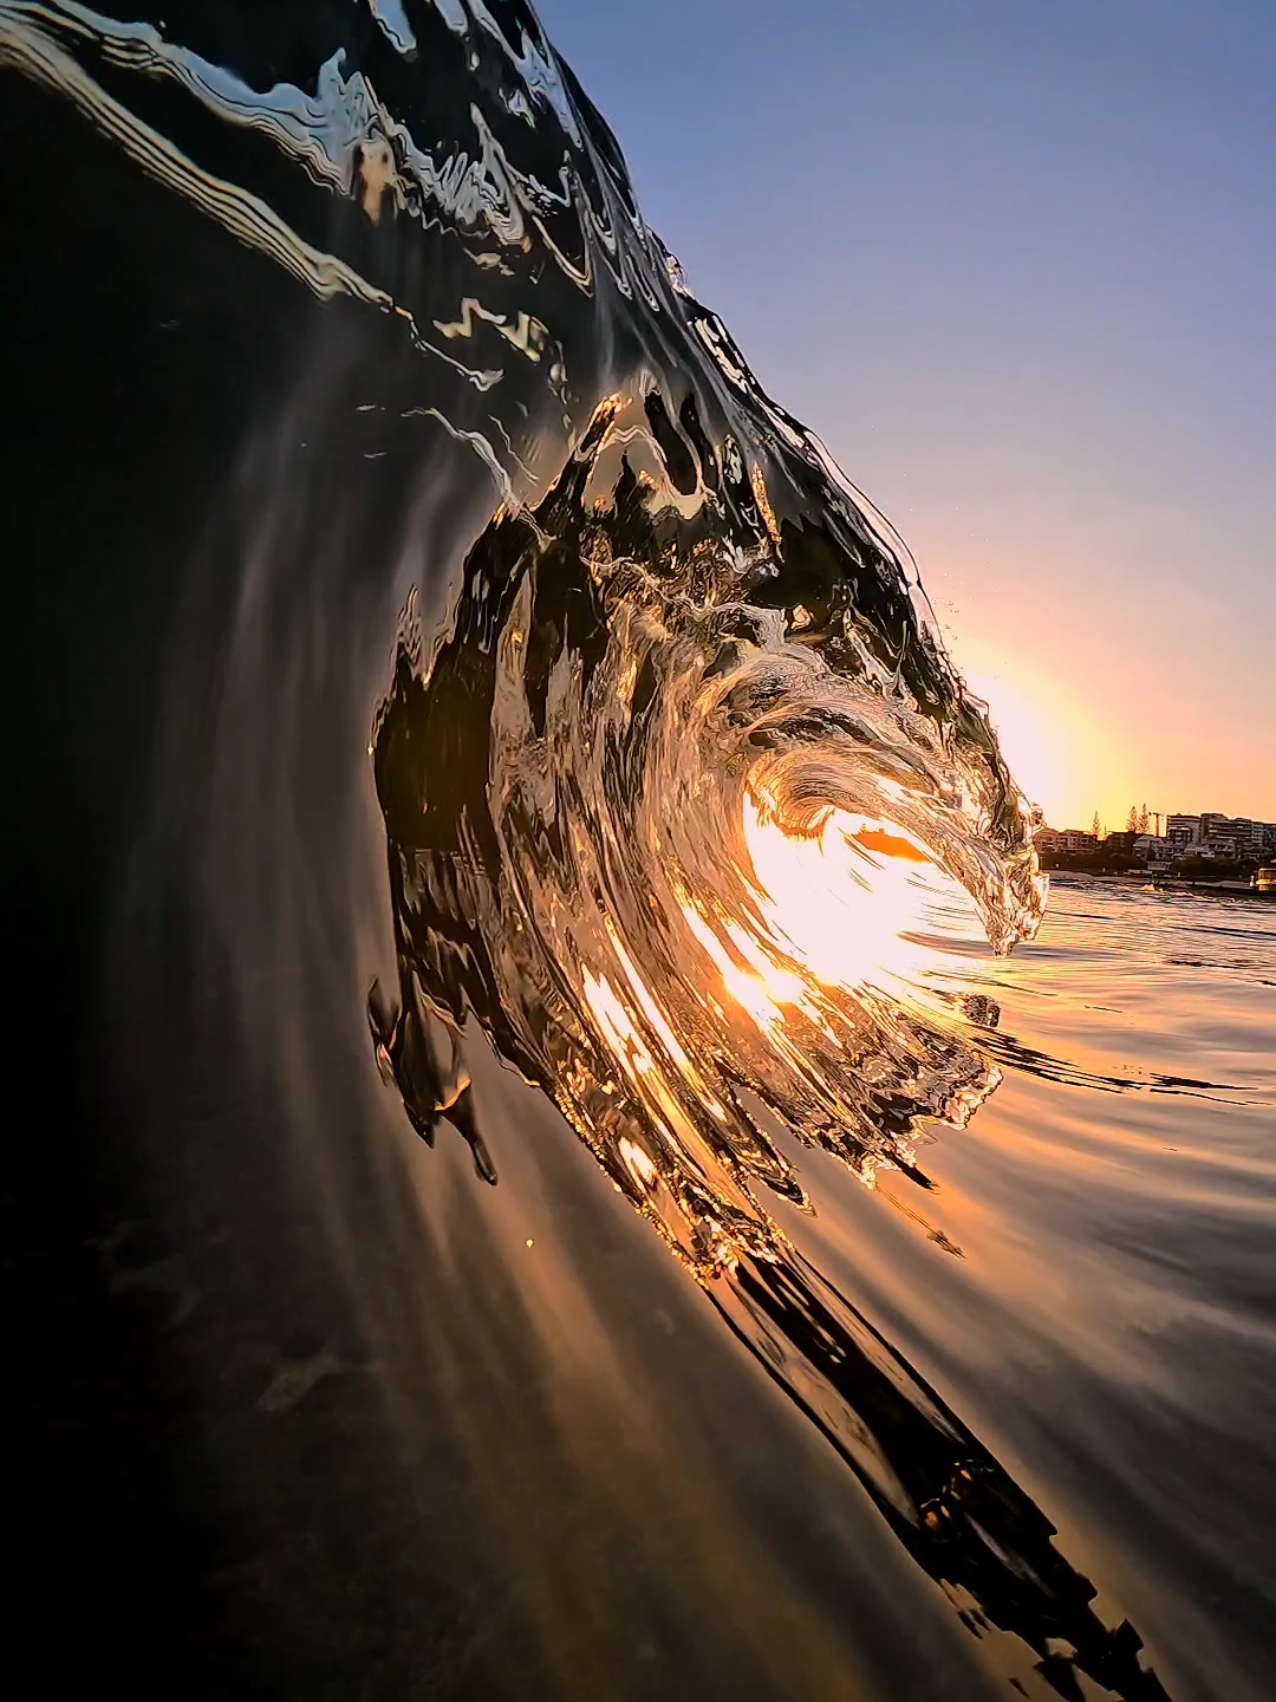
column 683, row 800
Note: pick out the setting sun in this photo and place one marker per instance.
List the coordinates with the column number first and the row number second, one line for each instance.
column 1063, row 759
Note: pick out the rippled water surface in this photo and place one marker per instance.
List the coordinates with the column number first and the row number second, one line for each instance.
column 574, row 1165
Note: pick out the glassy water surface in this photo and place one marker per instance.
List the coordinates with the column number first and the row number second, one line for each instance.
column 583, row 1198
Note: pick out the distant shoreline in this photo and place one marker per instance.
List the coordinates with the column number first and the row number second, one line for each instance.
column 1140, row 882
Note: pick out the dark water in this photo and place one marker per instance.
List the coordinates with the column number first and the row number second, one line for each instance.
column 454, row 708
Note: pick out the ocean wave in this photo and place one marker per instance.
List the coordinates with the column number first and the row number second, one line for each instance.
column 679, row 787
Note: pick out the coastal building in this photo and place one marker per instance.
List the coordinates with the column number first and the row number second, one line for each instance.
column 1212, row 833
column 1070, row 839
column 1246, row 835
column 1157, row 850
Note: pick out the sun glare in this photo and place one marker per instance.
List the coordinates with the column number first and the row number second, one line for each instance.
column 1033, row 742
column 846, row 904
column 1063, row 756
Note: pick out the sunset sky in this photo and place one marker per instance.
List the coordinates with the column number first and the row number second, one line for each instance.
column 1016, row 264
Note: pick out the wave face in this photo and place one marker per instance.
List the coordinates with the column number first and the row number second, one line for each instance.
column 680, row 791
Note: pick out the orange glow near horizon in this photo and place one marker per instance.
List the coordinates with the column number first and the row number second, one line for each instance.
column 1089, row 722
column 1061, row 754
